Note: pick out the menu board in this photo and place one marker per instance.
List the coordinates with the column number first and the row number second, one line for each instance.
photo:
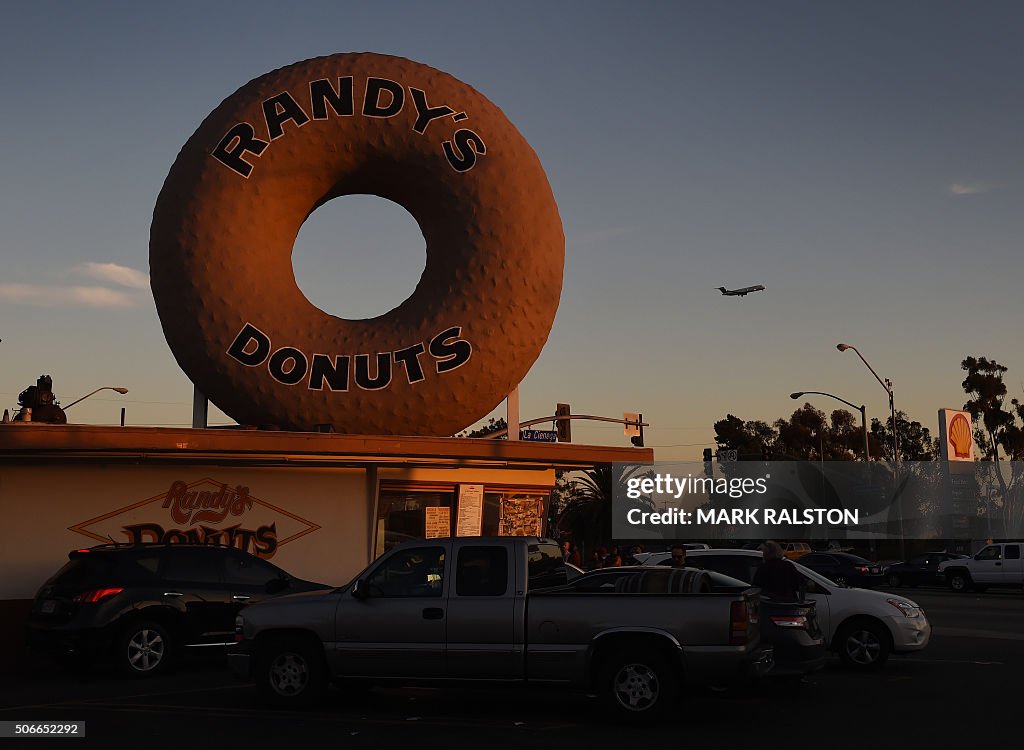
column 469, row 521
column 521, row 515
column 438, row 522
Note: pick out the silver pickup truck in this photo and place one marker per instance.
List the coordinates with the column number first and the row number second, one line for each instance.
column 502, row 610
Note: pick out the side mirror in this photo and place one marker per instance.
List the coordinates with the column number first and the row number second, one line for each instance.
column 810, row 587
column 359, row 590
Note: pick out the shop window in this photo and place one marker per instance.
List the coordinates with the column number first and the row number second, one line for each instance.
column 402, row 517
column 407, row 513
column 519, row 514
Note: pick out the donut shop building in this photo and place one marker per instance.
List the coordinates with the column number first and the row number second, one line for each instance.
column 319, row 505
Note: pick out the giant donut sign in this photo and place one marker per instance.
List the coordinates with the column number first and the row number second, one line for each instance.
column 287, row 142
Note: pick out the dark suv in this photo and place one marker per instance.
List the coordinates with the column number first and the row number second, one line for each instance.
column 137, row 605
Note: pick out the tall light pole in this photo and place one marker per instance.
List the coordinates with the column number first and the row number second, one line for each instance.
column 887, row 385
column 861, row 409
column 122, row 391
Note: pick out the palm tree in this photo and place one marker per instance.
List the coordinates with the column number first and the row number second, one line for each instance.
column 588, row 510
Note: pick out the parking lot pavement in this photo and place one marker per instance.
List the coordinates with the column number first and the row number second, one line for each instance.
column 961, row 689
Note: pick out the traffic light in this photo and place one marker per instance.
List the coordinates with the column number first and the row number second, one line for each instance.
column 709, row 468
column 563, row 426
column 638, row 439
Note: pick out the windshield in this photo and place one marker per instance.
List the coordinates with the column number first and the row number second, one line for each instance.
column 818, row 577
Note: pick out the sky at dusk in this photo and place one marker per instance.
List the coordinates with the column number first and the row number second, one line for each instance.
column 861, row 160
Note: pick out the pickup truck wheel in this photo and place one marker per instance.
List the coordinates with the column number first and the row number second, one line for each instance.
column 638, row 687
column 864, row 645
column 292, row 673
column 959, row 581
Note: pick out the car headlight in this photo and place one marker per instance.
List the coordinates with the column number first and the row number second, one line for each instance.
column 908, row 609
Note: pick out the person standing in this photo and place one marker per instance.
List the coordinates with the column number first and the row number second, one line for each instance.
column 574, row 556
column 777, row 576
column 678, row 559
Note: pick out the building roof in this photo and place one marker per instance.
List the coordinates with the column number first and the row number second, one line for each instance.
column 36, row 442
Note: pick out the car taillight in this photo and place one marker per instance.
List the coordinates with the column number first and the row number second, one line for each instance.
column 862, row 569
column 96, row 595
column 791, row 621
column 738, row 623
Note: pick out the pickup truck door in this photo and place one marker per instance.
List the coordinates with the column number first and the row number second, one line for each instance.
column 1013, row 572
column 987, row 565
column 485, row 613
column 397, row 629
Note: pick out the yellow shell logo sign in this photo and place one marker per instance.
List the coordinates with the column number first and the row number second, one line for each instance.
column 960, row 438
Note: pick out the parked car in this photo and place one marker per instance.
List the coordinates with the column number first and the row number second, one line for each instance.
column 499, row 609
column 135, row 606
column 861, row 626
column 790, row 628
column 795, row 550
column 842, row 567
column 919, row 570
column 641, row 558
column 997, row 565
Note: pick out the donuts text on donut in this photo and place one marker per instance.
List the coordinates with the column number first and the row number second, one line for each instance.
column 289, row 365
column 384, row 98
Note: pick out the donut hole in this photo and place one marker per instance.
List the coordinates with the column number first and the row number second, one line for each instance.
column 359, row 256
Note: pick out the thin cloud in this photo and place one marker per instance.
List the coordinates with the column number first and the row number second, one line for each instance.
column 112, row 273
column 67, row 296
column 969, row 188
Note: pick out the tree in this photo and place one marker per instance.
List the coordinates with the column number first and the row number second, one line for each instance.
column 809, row 435
column 748, row 439
column 587, row 513
column 995, row 426
column 984, row 383
column 493, row 425
column 915, row 440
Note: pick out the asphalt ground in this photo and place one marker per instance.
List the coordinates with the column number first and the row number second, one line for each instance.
column 965, row 688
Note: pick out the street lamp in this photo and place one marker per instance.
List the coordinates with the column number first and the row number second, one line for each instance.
column 863, row 413
column 887, row 385
column 122, row 391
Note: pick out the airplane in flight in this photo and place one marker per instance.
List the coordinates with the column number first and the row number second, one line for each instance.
column 741, row 292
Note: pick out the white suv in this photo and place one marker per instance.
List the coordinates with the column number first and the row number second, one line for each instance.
column 862, row 626
column 998, row 565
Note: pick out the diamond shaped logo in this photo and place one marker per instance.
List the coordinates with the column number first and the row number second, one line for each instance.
column 201, row 512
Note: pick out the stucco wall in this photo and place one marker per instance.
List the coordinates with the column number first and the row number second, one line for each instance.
column 320, row 517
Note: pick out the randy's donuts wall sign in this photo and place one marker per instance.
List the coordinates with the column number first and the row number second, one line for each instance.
column 289, row 141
